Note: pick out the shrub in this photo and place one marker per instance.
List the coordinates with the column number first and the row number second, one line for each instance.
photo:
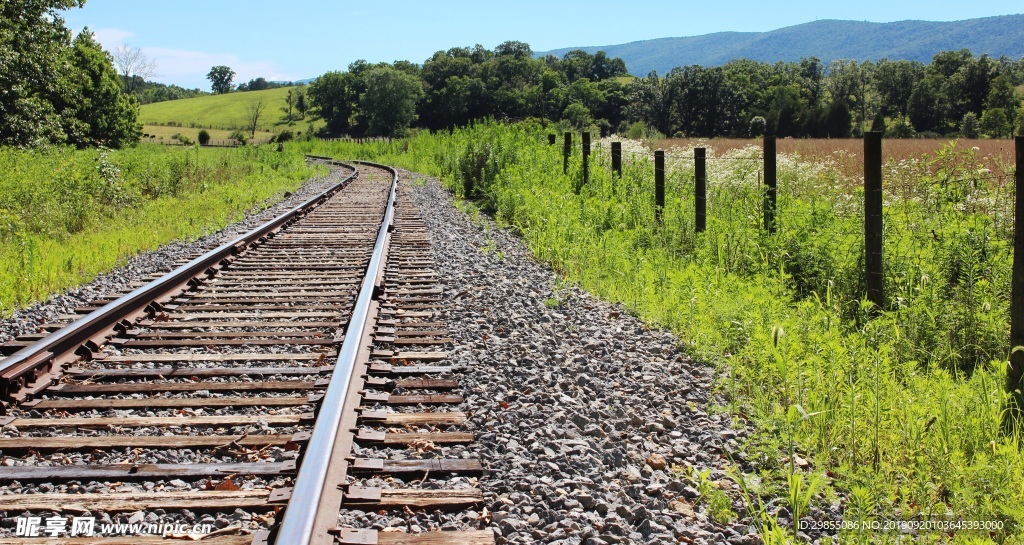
column 204, row 138
column 285, row 136
column 758, row 126
column 239, row 136
column 969, row 126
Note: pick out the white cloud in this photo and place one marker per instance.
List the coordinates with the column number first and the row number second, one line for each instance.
column 189, row 68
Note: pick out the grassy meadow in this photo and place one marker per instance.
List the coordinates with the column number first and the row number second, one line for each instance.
column 67, row 215
column 894, row 416
column 221, row 113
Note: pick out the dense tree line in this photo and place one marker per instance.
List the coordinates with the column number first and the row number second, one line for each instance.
column 57, row 90
column 456, row 86
column 956, row 93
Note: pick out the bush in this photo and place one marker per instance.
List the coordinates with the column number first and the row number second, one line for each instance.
column 204, row 138
column 758, row 126
column 285, row 136
column 239, row 136
column 969, row 126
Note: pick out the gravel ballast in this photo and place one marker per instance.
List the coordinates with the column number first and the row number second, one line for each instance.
column 582, row 413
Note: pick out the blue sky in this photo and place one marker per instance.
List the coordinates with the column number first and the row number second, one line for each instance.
column 298, row 39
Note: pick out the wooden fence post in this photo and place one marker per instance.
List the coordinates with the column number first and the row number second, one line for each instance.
column 1015, row 373
column 617, row 158
column 873, row 272
column 566, row 150
column 700, row 188
column 771, row 184
column 586, row 157
column 659, row 183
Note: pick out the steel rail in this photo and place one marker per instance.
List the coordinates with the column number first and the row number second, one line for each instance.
column 26, row 364
column 297, row 525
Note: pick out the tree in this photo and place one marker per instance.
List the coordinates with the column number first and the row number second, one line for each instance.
column 577, row 115
column 289, row 99
column 300, row 102
column 758, row 125
column 995, row 123
column 106, row 113
column 704, row 104
column 36, row 90
column 651, row 101
column 389, row 102
column 895, row 82
column 221, row 78
column 969, row 126
column 253, row 112
column 332, row 98
column 134, row 66
column 257, row 84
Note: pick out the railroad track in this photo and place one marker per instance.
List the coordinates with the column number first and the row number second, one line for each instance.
column 276, row 389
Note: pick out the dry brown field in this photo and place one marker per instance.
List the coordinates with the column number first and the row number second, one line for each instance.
column 992, row 154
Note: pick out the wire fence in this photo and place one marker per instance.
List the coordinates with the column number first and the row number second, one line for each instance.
column 933, row 209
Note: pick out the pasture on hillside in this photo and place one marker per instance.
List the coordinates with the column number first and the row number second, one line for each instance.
column 224, row 114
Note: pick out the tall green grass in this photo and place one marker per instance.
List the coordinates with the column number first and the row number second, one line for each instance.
column 901, row 411
column 67, row 215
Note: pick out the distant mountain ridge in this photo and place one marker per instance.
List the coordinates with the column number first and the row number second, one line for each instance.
column 826, row 39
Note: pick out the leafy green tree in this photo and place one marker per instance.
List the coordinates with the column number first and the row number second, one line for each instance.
column 969, row 126
column 108, row 115
column 811, row 79
column 332, row 98
column 289, row 100
column 577, row 115
column 926, row 105
column 300, row 102
column 995, row 123
column 389, row 102
column 895, row 82
column 220, row 78
column 758, row 125
column 36, row 81
column 1003, row 96
column 787, row 109
column 835, row 121
column 650, row 101
column 705, row 105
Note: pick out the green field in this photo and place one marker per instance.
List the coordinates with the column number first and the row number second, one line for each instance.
column 223, row 112
column 67, row 215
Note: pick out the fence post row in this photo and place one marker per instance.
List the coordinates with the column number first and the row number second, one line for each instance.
column 874, row 277
column 659, row 183
column 586, row 157
column 617, row 158
column 771, row 184
column 1015, row 373
column 566, row 150
column 700, row 188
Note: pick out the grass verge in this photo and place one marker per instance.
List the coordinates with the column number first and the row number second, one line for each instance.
column 67, row 215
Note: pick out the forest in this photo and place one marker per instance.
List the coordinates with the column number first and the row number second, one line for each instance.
column 957, row 93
